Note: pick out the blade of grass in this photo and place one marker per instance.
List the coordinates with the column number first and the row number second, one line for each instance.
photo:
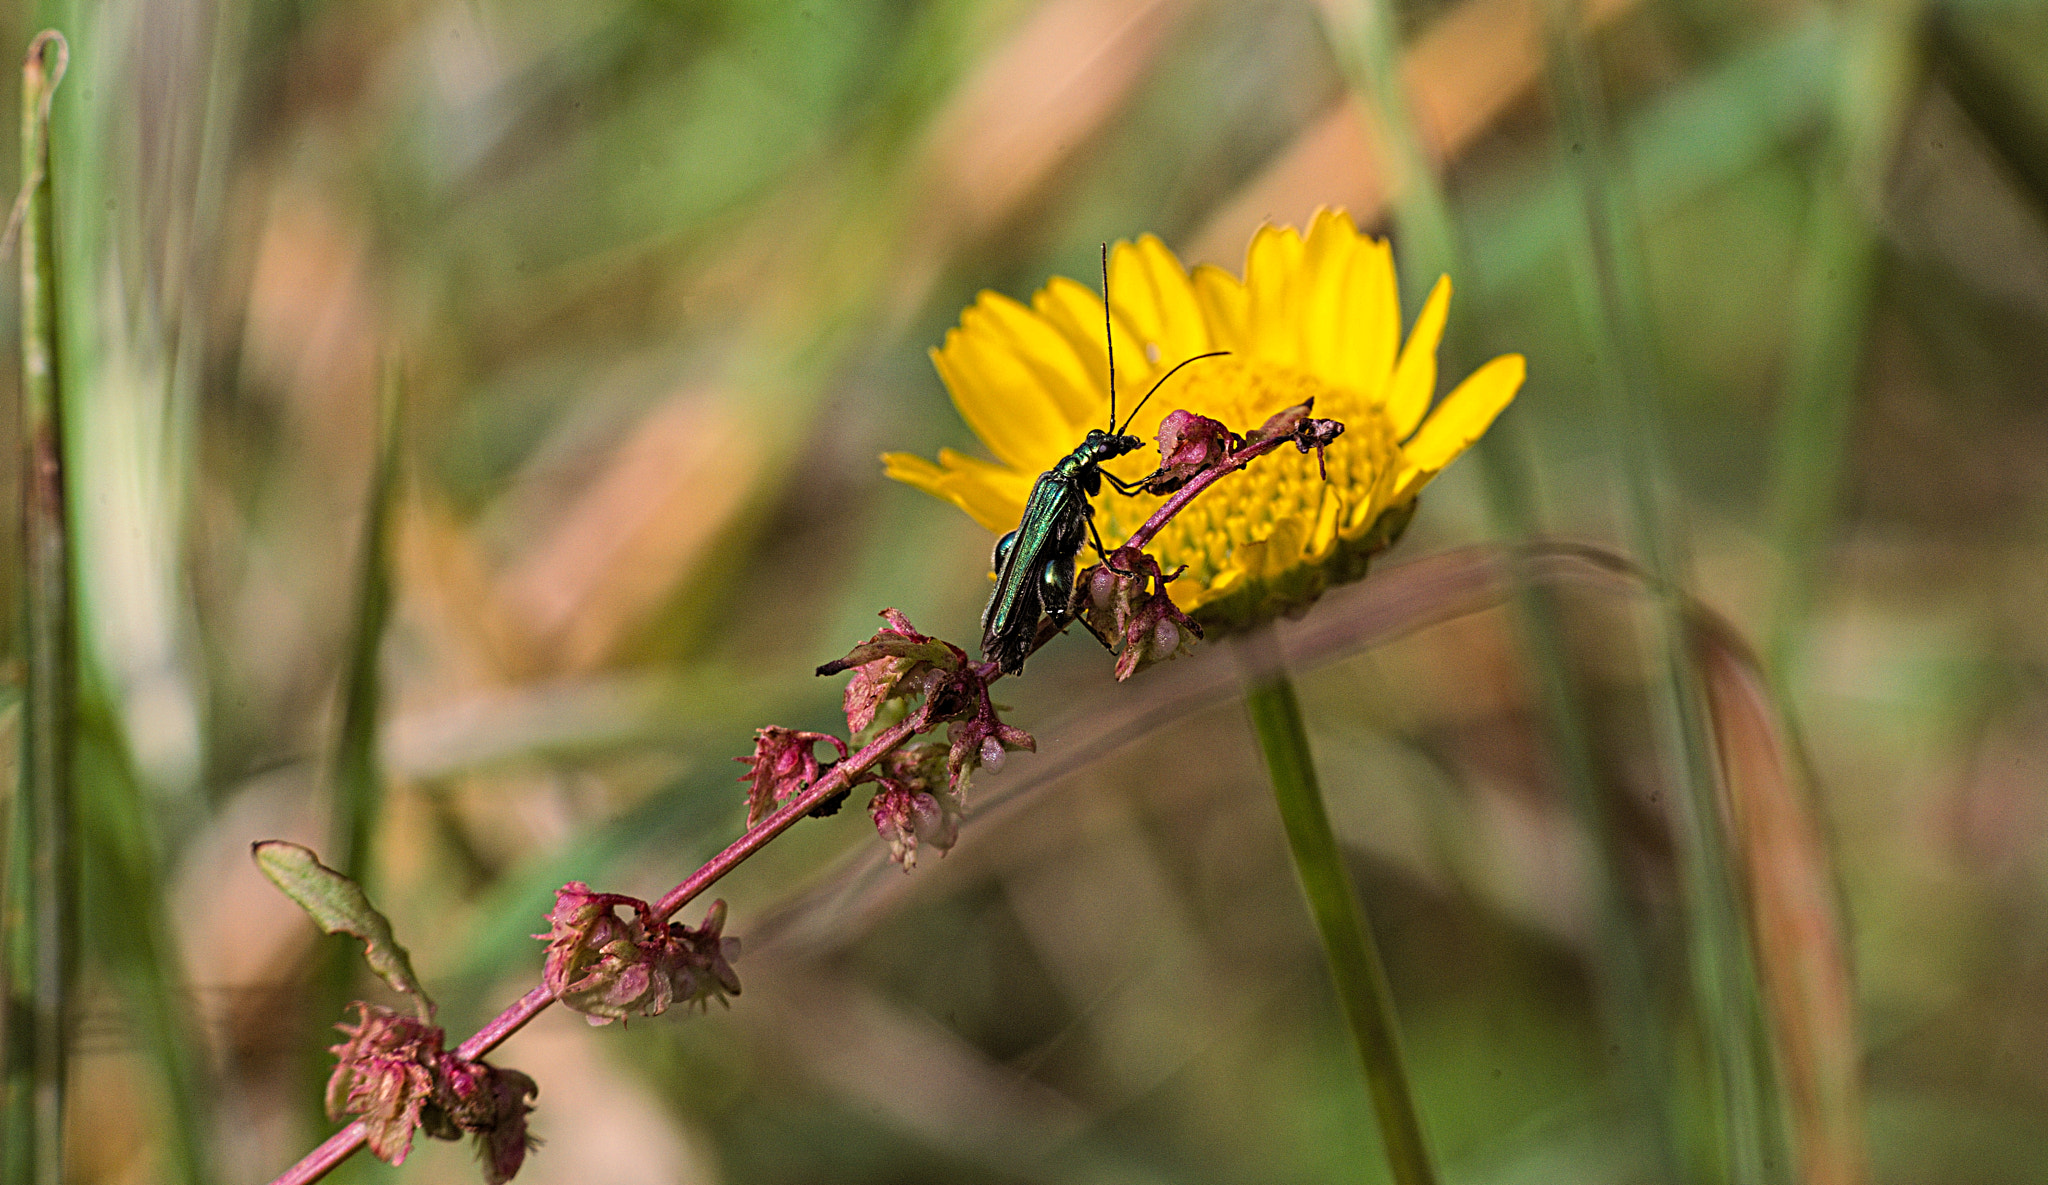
column 1981, row 81
column 1361, row 31
column 355, row 786
column 1354, row 959
column 1810, row 1004
column 1724, row 977
column 1622, row 958
column 357, row 789
column 17, row 1037
column 1362, row 36
column 132, row 388
column 42, row 922
column 1874, row 78
column 1707, row 130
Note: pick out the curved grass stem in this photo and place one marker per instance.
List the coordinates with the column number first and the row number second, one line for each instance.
column 1355, row 967
column 41, row 911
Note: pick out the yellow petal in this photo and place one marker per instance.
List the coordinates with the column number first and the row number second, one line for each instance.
column 1379, row 496
column 1150, row 289
column 1324, row 537
column 1064, row 376
column 1011, row 485
column 1370, row 314
column 1361, row 514
column 1273, row 320
column 984, row 501
column 1414, row 381
column 1224, row 308
column 1464, row 414
column 1326, row 269
column 1076, row 311
column 911, row 469
column 1331, row 222
column 999, row 398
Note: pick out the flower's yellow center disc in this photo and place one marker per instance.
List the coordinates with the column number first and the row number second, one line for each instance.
column 1281, row 499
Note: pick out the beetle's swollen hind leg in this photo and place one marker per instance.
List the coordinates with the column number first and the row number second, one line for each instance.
column 1056, row 589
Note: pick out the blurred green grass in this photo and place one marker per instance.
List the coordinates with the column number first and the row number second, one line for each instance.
column 661, row 276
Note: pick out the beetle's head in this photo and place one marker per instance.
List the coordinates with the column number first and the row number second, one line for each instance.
column 1104, row 446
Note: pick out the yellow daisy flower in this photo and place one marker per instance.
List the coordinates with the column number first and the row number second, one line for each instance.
column 1314, row 317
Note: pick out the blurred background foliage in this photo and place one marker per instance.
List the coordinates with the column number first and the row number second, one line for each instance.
column 654, row 280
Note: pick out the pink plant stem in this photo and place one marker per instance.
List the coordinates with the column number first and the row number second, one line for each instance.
column 343, row 1144
column 322, row 1160
column 505, row 1024
column 1202, row 481
column 841, row 776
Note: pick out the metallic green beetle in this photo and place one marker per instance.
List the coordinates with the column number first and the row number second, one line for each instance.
column 1035, row 563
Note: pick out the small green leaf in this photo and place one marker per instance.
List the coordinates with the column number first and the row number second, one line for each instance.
column 881, row 646
column 339, row 906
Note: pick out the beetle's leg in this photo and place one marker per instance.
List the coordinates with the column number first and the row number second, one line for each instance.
column 1003, row 547
column 1069, row 580
column 1096, row 538
column 1127, row 487
column 1099, row 635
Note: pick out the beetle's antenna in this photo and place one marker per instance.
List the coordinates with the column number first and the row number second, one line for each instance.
column 1162, row 382
column 1108, row 335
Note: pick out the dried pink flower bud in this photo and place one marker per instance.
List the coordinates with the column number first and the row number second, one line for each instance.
column 972, row 740
column 1104, row 583
column 383, row 1074
column 918, row 767
column 697, row 964
column 1188, row 444
column 488, row 1103
column 1157, row 632
column 462, row 1098
column 924, row 786
column 1285, row 422
column 1129, row 610
column 582, row 929
column 908, row 818
column 784, row 762
column 502, row 1146
column 609, row 968
column 393, row 1074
